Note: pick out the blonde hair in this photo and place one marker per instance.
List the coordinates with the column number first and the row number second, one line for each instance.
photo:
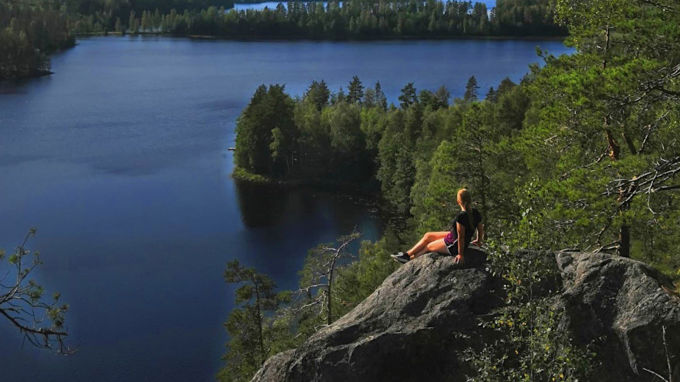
column 464, row 198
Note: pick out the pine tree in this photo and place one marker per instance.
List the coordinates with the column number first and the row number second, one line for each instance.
column 380, row 99
column 408, row 96
column 355, row 91
column 471, row 90
column 249, row 345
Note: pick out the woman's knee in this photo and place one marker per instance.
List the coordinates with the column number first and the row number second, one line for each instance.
column 429, row 236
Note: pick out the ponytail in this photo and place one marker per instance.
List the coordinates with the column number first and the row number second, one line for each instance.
column 465, row 199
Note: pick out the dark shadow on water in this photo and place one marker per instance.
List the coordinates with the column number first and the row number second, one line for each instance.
column 272, row 205
column 260, row 205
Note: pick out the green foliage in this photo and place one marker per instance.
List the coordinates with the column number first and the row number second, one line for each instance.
column 243, row 175
column 395, row 157
column 266, row 133
column 439, row 195
column 23, row 302
column 597, row 141
column 408, row 96
column 530, row 347
column 471, row 89
column 317, row 277
column 28, row 33
column 529, row 344
column 582, row 153
column 355, row 19
column 357, row 280
column 355, row 90
column 250, row 330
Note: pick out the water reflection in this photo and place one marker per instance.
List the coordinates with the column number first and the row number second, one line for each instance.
column 264, row 206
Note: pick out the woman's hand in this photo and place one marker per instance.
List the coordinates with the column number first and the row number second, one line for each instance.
column 459, row 260
column 476, row 242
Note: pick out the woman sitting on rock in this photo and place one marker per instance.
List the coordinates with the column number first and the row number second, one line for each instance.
column 463, row 226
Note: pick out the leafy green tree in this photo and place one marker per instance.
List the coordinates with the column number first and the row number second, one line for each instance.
column 439, row 196
column 249, row 152
column 314, row 138
column 28, row 33
column 264, row 128
column 346, row 138
column 595, row 108
column 436, row 100
column 396, row 171
column 372, row 126
column 133, row 23
column 318, row 93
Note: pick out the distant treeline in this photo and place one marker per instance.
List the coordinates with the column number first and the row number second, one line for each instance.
column 29, row 31
column 100, row 16
column 355, row 19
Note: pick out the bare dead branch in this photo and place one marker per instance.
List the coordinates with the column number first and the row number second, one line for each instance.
column 322, row 274
column 657, row 4
column 651, row 128
column 650, row 182
column 613, row 246
column 655, row 374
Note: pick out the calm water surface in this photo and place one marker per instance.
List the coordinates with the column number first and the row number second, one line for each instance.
column 120, row 160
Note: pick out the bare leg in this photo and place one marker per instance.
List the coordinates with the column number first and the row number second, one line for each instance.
column 421, row 246
column 436, row 246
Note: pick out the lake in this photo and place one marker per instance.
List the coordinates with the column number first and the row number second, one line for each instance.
column 120, row 160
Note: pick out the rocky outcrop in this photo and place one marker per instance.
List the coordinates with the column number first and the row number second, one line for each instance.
column 417, row 324
column 621, row 306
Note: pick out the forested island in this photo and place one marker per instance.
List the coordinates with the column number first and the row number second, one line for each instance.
column 30, row 31
column 582, row 153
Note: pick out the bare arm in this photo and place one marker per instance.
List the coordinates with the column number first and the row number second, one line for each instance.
column 460, row 229
column 480, row 235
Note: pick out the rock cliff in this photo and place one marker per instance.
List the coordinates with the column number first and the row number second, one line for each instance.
column 416, row 325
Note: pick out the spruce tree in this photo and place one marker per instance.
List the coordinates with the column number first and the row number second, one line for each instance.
column 471, row 90
column 355, row 91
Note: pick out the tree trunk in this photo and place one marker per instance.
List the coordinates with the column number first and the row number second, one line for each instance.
column 330, row 282
column 624, row 237
column 624, row 231
column 259, row 323
column 482, row 175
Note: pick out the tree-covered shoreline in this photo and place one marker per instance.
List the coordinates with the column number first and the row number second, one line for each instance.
column 28, row 34
column 354, row 20
column 583, row 153
column 29, row 31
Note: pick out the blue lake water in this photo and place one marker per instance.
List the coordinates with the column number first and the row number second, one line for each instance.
column 120, row 160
